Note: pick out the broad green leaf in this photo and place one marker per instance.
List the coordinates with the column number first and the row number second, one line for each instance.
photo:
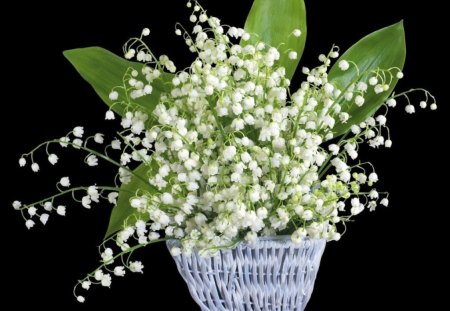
column 123, row 210
column 104, row 70
column 382, row 49
column 272, row 22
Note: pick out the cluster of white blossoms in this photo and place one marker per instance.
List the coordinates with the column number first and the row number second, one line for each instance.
column 231, row 153
column 85, row 195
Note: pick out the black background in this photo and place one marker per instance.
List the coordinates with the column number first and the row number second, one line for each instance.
column 393, row 258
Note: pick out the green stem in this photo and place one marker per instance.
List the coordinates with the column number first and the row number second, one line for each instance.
column 409, row 91
column 219, row 125
column 130, row 250
column 51, row 198
column 100, row 155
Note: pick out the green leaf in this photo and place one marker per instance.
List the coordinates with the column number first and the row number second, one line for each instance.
column 273, row 21
column 382, row 49
column 104, row 70
column 123, row 211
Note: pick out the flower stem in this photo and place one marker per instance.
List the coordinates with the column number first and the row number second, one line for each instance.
column 72, row 190
column 98, row 154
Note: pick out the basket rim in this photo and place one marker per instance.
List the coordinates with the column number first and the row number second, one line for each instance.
column 276, row 238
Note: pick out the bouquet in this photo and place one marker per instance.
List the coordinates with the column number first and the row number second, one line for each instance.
column 227, row 150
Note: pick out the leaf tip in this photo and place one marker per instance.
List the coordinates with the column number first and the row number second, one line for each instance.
column 69, row 54
column 399, row 25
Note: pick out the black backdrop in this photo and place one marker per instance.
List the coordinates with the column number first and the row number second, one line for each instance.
column 388, row 259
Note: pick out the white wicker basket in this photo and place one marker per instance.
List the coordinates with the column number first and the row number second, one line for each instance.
column 272, row 274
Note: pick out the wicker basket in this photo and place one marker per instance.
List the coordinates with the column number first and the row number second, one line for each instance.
column 271, row 274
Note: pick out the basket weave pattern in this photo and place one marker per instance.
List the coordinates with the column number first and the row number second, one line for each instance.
column 272, row 274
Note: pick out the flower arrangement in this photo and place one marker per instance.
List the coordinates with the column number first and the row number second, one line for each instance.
column 226, row 150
